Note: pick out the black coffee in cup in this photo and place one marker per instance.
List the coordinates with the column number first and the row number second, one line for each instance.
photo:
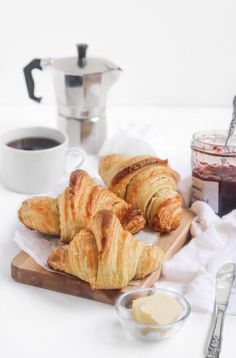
column 33, row 159
column 33, row 143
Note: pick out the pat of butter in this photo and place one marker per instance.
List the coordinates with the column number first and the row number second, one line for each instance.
column 156, row 309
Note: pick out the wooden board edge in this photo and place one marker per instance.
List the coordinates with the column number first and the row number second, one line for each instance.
column 59, row 283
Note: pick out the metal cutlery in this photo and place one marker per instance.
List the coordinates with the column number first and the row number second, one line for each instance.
column 224, row 282
column 232, row 124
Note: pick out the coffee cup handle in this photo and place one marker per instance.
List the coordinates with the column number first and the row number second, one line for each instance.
column 73, row 151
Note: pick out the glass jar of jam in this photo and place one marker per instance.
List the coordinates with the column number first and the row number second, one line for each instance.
column 214, row 170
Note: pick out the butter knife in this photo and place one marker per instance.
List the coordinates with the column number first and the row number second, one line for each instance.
column 224, row 281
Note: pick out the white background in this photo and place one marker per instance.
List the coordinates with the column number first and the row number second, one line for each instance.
column 173, row 52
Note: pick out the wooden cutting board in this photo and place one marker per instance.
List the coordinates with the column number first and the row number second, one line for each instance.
column 25, row 270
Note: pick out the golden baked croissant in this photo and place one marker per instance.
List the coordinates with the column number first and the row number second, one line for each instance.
column 105, row 255
column 148, row 184
column 73, row 209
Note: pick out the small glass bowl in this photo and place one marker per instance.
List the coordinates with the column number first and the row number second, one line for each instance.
column 150, row 332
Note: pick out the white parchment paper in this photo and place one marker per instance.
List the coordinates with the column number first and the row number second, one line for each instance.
column 193, row 269
column 39, row 246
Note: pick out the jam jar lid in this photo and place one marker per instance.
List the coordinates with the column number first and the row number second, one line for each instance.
column 213, row 142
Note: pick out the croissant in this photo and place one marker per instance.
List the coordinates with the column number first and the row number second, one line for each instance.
column 66, row 215
column 148, row 184
column 105, row 255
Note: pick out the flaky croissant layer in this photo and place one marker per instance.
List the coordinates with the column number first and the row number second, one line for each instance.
column 148, row 184
column 71, row 212
column 105, row 255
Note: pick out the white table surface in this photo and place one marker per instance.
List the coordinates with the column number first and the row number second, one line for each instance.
column 39, row 323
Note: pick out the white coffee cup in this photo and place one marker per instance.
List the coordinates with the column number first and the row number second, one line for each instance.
column 34, row 171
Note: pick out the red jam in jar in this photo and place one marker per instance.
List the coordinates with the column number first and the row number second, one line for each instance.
column 214, row 170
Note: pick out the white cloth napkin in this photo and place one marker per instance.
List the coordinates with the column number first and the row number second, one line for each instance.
column 192, row 271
